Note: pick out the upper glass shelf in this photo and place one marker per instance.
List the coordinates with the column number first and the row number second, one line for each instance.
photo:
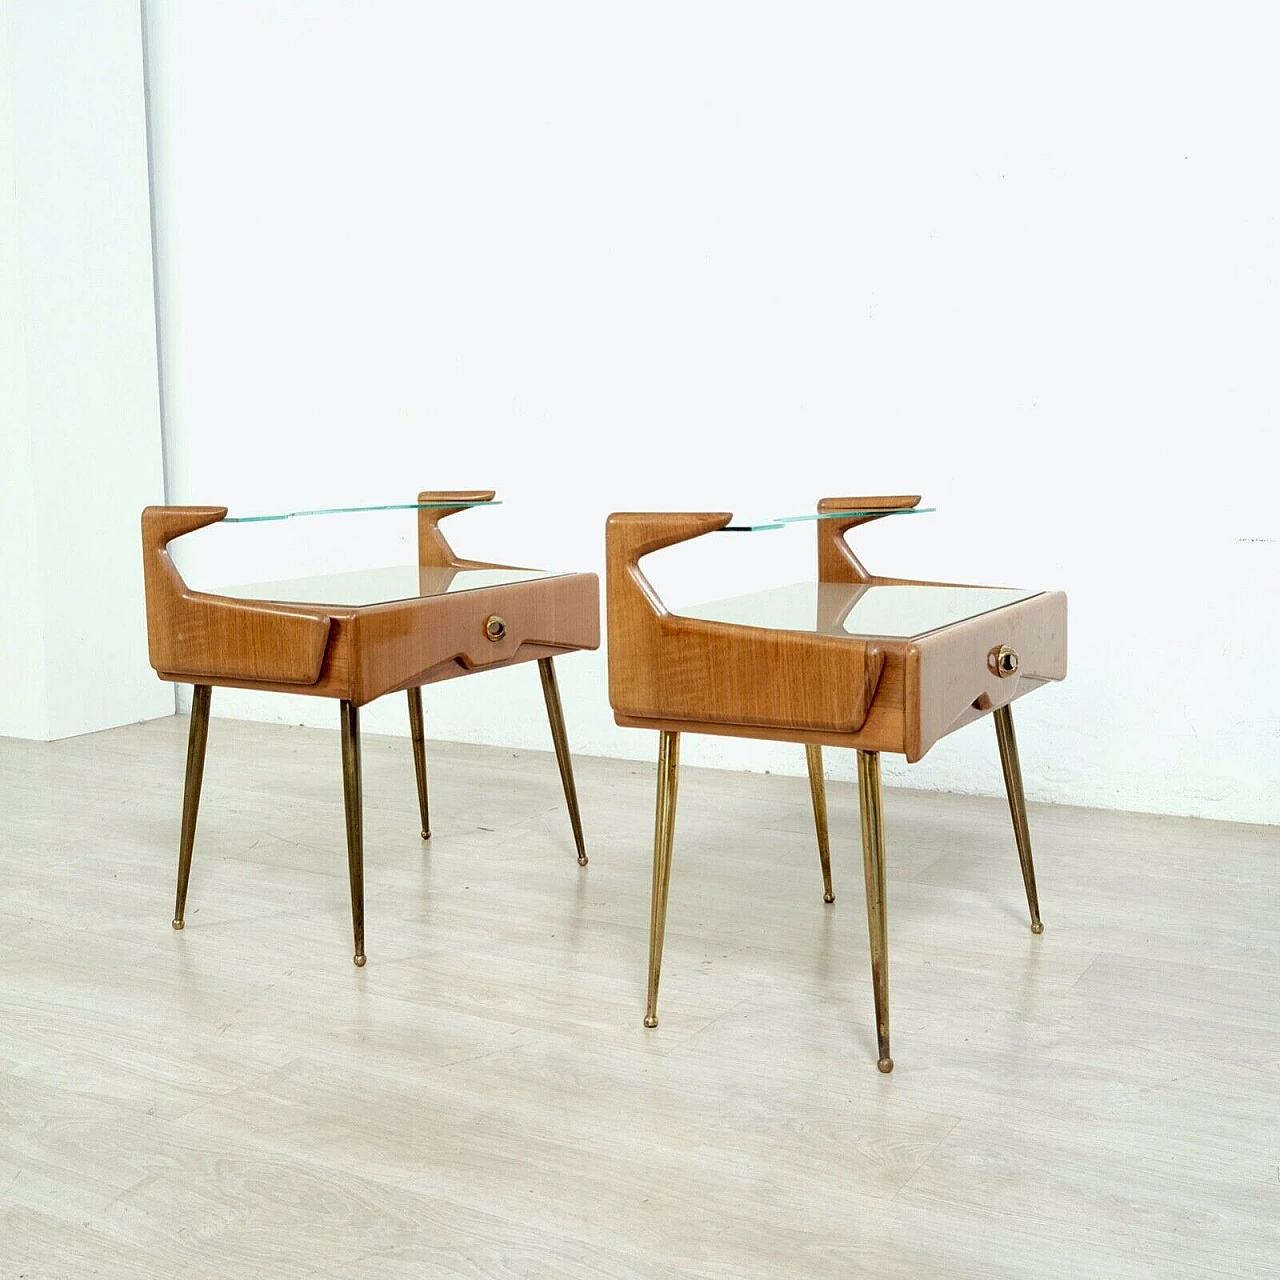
column 344, row 511
column 362, row 587
column 749, row 525
column 746, row 524
column 899, row 611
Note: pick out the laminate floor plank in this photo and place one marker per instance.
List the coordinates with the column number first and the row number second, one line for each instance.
column 481, row 1100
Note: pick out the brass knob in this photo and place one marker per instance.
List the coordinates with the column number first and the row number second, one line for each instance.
column 494, row 628
column 1002, row 661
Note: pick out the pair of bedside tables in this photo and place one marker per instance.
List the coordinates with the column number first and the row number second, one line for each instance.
column 850, row 659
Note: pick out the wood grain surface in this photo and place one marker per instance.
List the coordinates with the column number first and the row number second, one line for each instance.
column 358, row 652
column 948, row 681
column 666, row 667
column 481, row 1100
column 902, row 695
column 194, row 635
column 836, row 561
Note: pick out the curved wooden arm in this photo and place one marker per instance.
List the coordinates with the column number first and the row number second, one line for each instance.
column 204, row 638
column 433, row 547
column 631, row 535
column 664, row 667
column 836, row 563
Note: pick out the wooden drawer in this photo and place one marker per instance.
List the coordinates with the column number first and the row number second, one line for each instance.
column 406, row 643
column 951, row 676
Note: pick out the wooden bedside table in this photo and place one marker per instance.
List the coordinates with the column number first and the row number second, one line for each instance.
column 851, row 660
column 356, row 636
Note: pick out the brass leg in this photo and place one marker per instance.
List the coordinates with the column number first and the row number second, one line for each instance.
column 354, row 797
column 873, row 869
column 818, row 789
column 197, row 737
column 418, row 734
column 555, row 713
column 1018, row 808
column 663, row 834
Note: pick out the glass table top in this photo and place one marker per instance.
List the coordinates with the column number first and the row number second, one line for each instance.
column 346, row 511
column 381, row 586
column 744, row 524
column 756, row 524
column 895, row 612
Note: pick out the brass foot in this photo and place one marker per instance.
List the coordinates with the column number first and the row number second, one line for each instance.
column 663, row 838
column 818, row 792
column 870, row 802
column 197, row 738
column 418, row 736
column 353, row 796
column 560, row 737
column 1018, row 809
column 359, row 959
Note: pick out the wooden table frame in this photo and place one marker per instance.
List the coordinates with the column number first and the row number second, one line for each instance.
column 680, row 674
column 356, row 653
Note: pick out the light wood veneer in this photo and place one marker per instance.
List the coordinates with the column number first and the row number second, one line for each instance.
column 866, row 693
column 819, row 685
column 356, row 652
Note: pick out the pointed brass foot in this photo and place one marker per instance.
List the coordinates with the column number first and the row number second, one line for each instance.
column 664, row 829
column 818, row 791
column 873, row 872
column 1018, row 809
column 560, row 736
column 197, row 738
column 354, row 802
column 417, row 734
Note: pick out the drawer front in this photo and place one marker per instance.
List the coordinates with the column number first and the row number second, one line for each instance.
column 963, row 671
column 399, row 643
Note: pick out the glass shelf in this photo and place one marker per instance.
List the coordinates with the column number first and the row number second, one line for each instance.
column 343, row 511
column 748, row 525
column 362, row 587
column 891, row 611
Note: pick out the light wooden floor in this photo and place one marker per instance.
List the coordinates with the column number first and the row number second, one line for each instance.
column 238, row 1100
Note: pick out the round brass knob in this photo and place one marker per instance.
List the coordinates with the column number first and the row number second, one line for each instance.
column 1003, row 661
column 494, row 628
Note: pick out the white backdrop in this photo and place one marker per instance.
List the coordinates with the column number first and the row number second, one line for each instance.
column 738, row 256
column 80, row 446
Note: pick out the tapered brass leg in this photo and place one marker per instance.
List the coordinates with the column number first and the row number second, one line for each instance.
column 555, row 713
column 354, row 796
column 419, row 737
column 197, row 737
column 663, row 834
column 873, row 870
column 1018, row 808
column 818, row 790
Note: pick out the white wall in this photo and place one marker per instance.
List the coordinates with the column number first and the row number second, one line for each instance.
column 22, row 694
column 81, row 447
column 735, row 256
